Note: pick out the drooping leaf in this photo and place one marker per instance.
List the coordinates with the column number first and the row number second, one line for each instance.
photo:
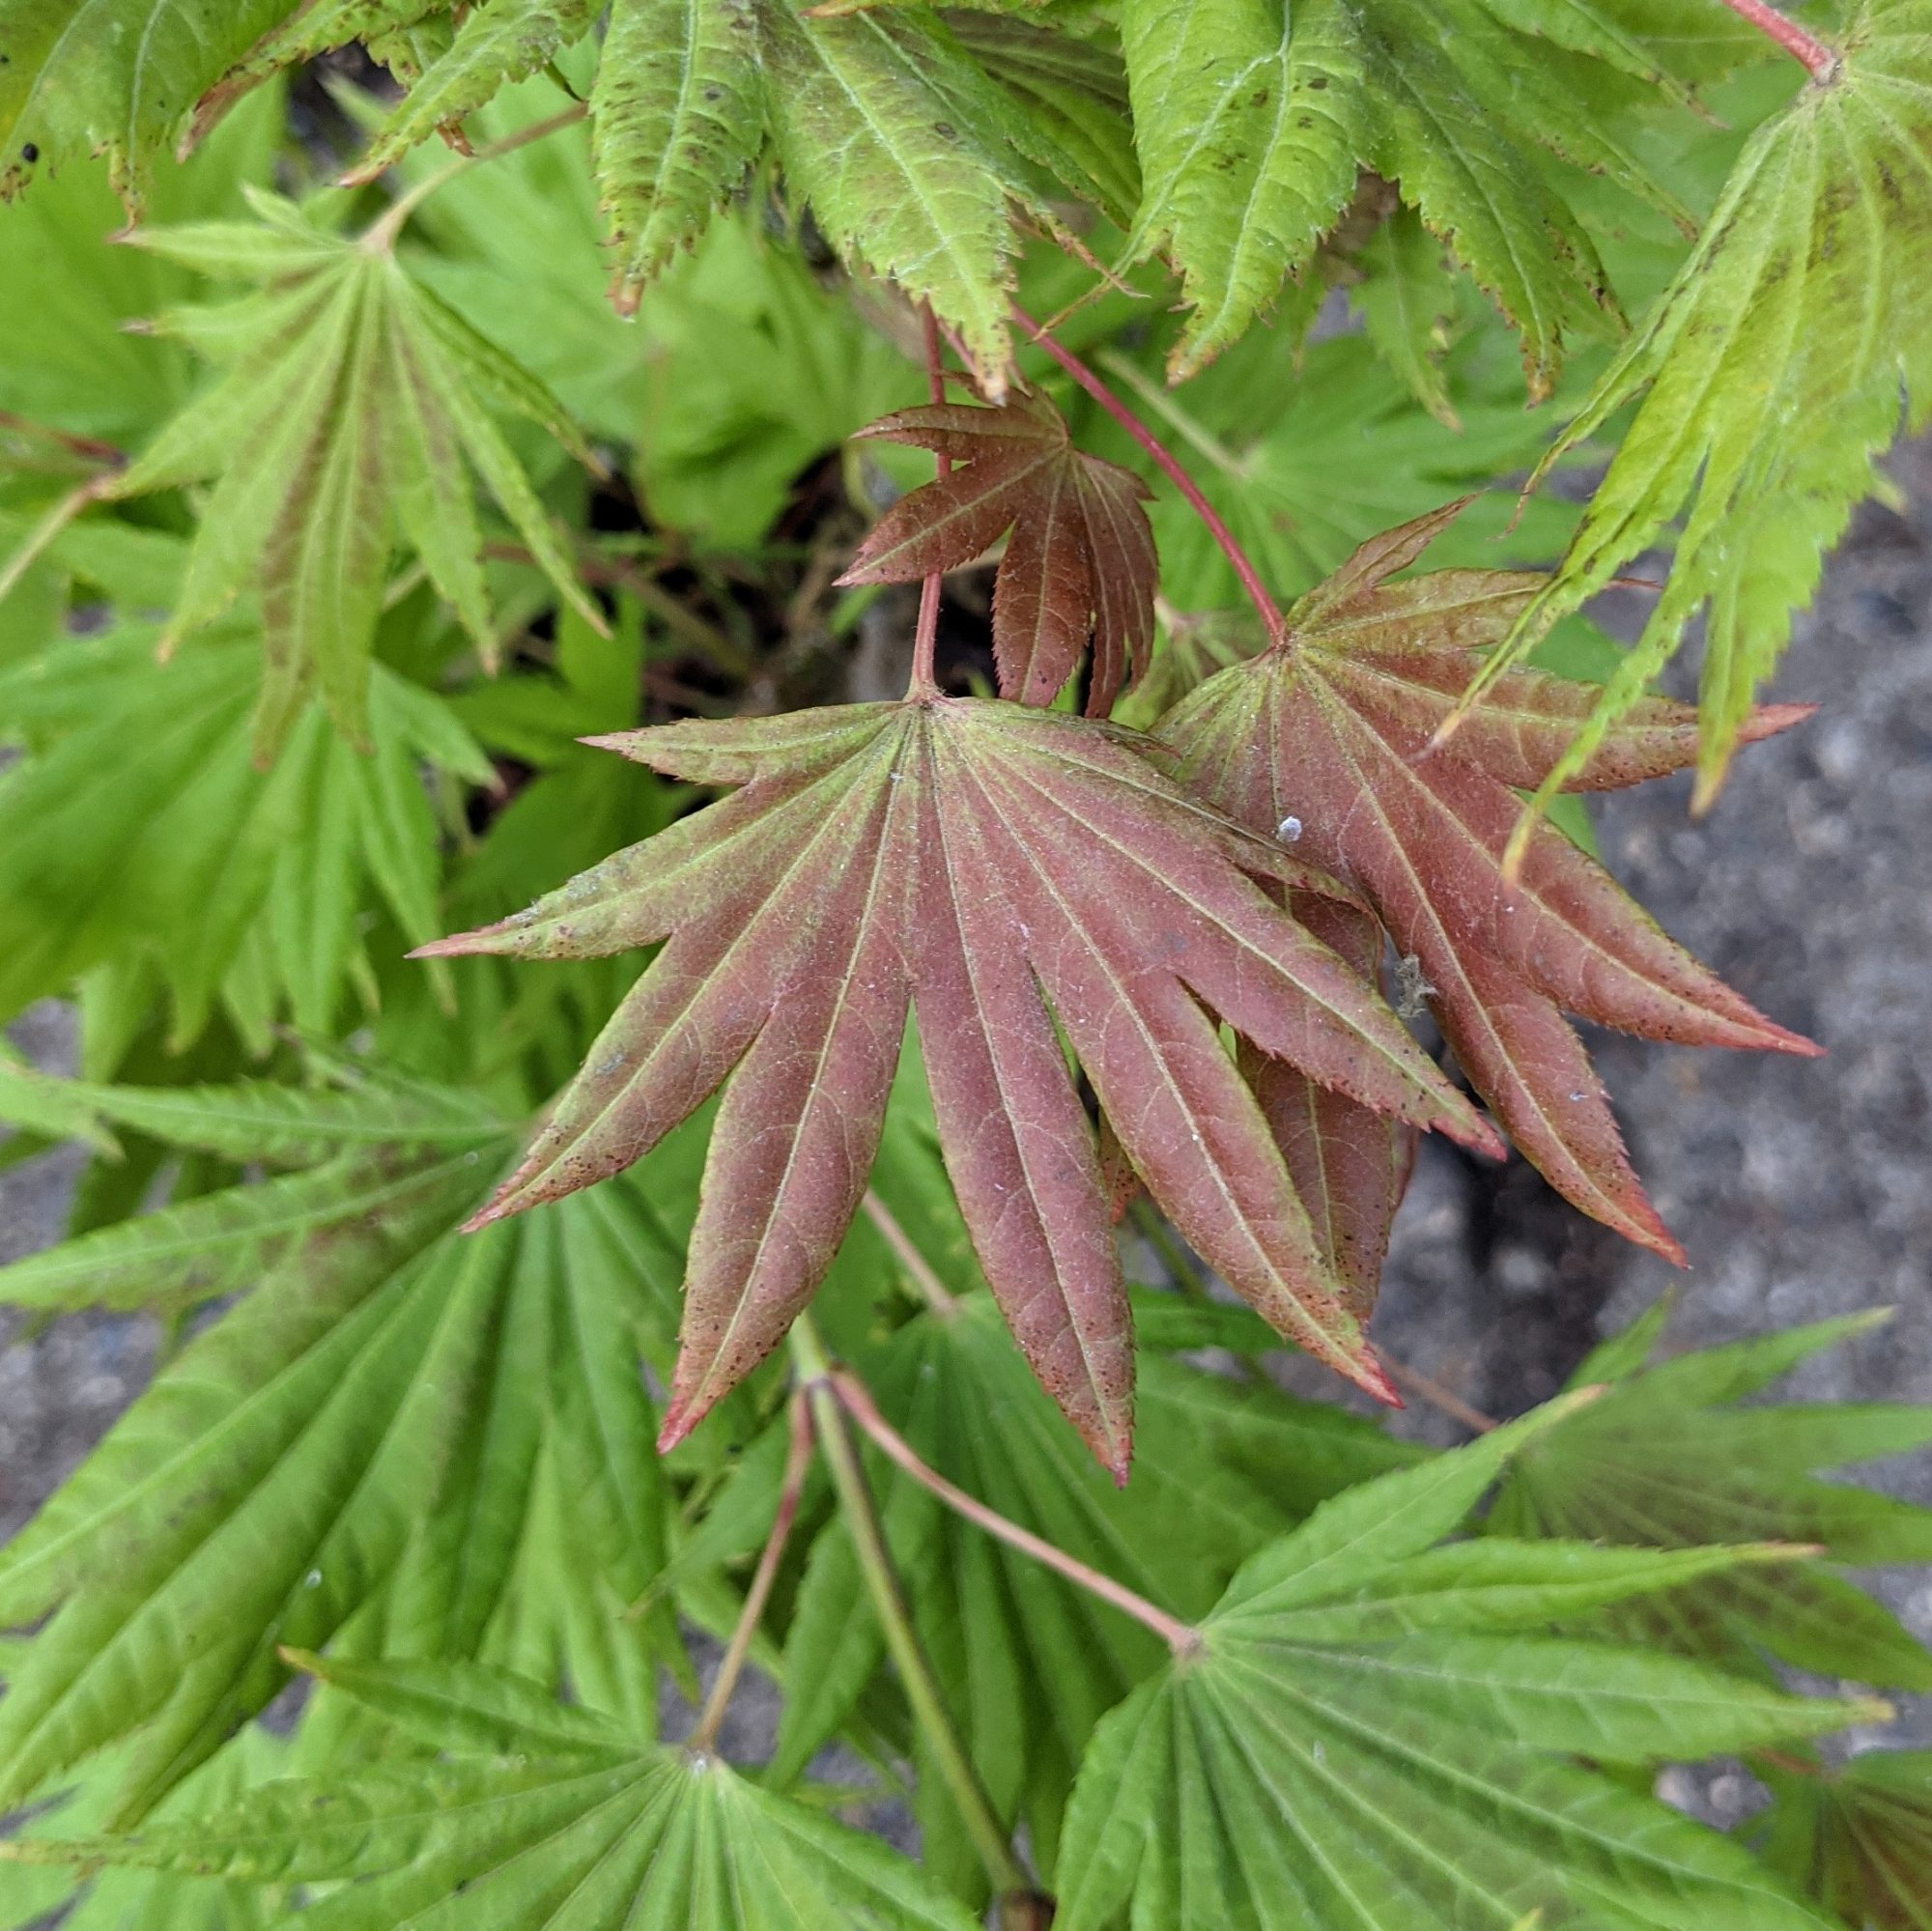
column 677, row 119
column 1074, row 86
column 1858, row 1837
column 1253, row 120
column 118, row 76
column 1324, row 743
column 535, row 1807
column 1079, row 561
column 505, row 41
column 1772, row 374
column 347, row 415
column 1665, row 1459
column 976, row 860
column 1372, row 1733
column 908, row 156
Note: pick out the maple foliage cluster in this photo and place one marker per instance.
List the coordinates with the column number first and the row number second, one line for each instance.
column 858, row 1213
column 1032, row 885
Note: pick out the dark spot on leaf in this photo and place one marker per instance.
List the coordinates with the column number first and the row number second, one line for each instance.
column 1320, row 81
column 30, row 153
column 945, row 130
column 714, row 94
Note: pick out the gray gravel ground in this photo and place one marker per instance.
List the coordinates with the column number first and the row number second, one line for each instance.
column 1802, row 1188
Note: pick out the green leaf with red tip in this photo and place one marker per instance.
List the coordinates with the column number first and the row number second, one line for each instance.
column 1079, row 563
column 1327, row 739
column 1012, row 876
column 347, row 417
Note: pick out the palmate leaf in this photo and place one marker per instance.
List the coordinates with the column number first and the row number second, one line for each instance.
column 347, row 415
column 1027, row 1663
column 978, row 861
column 1858, row 1837
column 118, row 76
column 1665, row 1459
column 391, row 1441
column 1253, row 120
column 244, row 888
column 1374, row 1733
column 1772, row 373
column 533, row 1809
column 1079, row 563
column 1324, row 742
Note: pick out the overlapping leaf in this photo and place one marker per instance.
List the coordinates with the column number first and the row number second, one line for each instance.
column 1772, row 373
column 1253, row 120
column 347, row 415
column 118, row 76
column 1376, row 1733
column 977, row 860
column 535, row 1807
column 912, row 143
column 1324, row 742
column 1857, row 1837
column 1080, row 559
column 1027, row 1663
column 1665, row 1459
column 244, row 888
column 391, row 1440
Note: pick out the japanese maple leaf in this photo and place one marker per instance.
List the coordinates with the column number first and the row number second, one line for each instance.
column 1080, row 561
column 1324, row 741
column 1015, row 876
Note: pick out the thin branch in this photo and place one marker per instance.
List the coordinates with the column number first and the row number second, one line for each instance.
column 798, row 1461
column 1444, row 1400
column 926, row 636
column 937, row 1294
column 380, row 235
column 1818, row 60
column 943, row 1742
column 1180, row 1638
column 51, row 525
column 1170, row 467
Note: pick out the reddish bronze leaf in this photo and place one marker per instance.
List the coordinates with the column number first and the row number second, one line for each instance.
column 1324, row 741
column 1080, row 561
column 999, row 869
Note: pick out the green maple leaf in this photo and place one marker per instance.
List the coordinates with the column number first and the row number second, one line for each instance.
column 393, row 1431
column 1027, row 1663
column 119, row 75
column 1373, row 1732
column 245, row 887
column 1857, row 1837
column 533, row 1807
column 1253, row 122
column 979, row 860
column 1666, row 1459
column 347, row 415
column 1771, row 375
column 1325, row 742
column 677, row 118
